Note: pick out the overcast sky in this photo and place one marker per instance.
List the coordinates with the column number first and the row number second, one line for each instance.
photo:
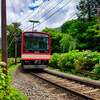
column 24, row 10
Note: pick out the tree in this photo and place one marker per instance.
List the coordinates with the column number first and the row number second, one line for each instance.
column 87, row 32
column 87, row 8
column 74, row 27
column 55, row 39
column 92, row 35
column 68, row 43
column 11, row 41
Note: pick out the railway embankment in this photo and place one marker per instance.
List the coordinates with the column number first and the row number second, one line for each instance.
column 75, row 77
column 37, row 89
column 25, row 82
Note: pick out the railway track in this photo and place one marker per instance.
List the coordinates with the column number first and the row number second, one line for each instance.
column 80, row 89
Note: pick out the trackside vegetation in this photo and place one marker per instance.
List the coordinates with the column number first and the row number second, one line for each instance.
column 7, row 92
column 75, row 49
column 74, row 61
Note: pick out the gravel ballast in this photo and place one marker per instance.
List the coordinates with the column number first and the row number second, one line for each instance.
column 22, row 82
column 36, row 89
column 74, row 77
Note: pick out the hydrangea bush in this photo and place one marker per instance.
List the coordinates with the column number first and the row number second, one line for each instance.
column 6, row 91
column 85, row 60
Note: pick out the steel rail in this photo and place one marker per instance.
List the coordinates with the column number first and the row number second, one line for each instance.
column 75, row 78
column 64, row 88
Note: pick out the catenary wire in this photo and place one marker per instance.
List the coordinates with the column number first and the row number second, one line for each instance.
column 48, row 11
column 53, row 13
column 30, row 14
column 38, row 14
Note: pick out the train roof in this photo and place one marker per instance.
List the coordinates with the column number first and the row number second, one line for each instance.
column 35, row 32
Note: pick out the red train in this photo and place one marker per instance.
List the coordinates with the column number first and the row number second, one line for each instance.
column 36, row 49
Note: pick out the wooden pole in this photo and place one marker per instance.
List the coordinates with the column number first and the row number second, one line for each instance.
column 4, row 33
column 98, row 9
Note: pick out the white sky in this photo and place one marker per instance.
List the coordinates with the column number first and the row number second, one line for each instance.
column 17, row 10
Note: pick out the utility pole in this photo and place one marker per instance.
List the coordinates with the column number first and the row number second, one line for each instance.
column 4, row 34
column 33, row 21
column 16, row 24
column 98, row 9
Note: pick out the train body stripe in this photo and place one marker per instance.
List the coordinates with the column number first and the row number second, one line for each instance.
column 23, row 56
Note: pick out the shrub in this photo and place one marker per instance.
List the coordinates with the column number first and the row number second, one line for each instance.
column 53, row 61
column 74, row 59
column 79, row 64
column 7, row 92
column 97, row 68
column 66, row 60
column 11, row 61
column 86, row 61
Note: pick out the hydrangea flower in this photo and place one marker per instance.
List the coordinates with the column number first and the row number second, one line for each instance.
column 3, row 64
column 84, row 53
column 9, row 59
column 96, row 65
column 0, row 70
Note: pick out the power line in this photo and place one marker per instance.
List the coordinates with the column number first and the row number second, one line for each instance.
column 53, row 13
column 11, row 43
column 51, row 9
column 24, row 12
column 70, row 17
column 30, row 14
column 38, row 13
column 48, row 11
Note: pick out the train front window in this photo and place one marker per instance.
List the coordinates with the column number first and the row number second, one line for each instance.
column 32, row 42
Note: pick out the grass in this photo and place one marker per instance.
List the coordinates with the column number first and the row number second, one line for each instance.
column 10, row 69
column 54, row 69
column 72, row 72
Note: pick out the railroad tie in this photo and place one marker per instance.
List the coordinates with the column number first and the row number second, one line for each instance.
column 77, row 86
column 95, row 90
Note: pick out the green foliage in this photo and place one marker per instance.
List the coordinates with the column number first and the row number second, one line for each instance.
column 90, row 8
column 74, row 27
column 74, row 59
column 7, row 92
column 97, row 68
column 10, row 38
column 73, row 72
column 92, row 36
column 67, row 43
column 86, row 60
column 55, row 39
column 11, row 61
column 53, row 60
column 67, row 60
column 86, row 32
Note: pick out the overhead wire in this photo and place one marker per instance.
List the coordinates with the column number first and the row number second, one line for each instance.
column 22, row 15
column 30, row 14
column 53, row 13
column 38, row 13
column 11, row 43
column 48, row 11
column 69, row 18
column 47, row 19
column 51, row 9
